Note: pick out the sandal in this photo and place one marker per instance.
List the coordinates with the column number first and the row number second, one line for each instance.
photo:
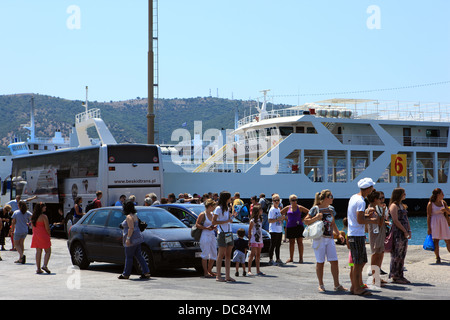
column 123, row 277
column 230, row 280
column 321, row 288
column 340, row 288
column 365, row 293
column 145, row 276
column 39, row 272
column 46, row 270
column 401, row 281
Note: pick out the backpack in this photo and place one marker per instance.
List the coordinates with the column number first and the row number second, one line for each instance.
column 90, row 206
column 266, row 205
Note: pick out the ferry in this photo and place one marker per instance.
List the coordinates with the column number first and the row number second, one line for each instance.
column 78, row 137
column 329, row 144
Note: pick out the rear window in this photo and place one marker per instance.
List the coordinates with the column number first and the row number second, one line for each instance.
column 159, row 219
column 124, row 153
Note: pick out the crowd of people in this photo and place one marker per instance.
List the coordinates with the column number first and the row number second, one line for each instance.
column 387, row 226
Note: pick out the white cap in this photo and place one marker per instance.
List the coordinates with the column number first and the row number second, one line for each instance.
column 365, row 183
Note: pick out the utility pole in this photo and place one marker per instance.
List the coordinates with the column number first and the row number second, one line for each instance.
column 151, row 102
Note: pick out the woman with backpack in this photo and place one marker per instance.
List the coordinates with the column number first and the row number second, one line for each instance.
column 77, row 210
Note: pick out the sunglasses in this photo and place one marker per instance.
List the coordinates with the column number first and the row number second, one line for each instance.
column 330, row 196
column 276, row 200
column 293, row 200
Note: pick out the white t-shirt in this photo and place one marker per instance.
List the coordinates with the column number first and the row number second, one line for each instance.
column 355, row 204
column 275, row 226
column 226, row 227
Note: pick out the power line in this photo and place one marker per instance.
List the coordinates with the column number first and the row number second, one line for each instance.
column 362, row 91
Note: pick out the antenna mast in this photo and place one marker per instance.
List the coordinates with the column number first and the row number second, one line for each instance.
column 152, row 68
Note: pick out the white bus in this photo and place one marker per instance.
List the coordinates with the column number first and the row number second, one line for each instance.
column 57, row 178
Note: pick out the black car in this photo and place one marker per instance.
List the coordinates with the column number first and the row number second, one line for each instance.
column 167, row 241
column 188, row 213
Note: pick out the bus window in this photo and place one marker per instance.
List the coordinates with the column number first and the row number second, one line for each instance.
column 123, row 153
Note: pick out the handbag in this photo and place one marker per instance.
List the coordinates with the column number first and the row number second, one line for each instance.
column 228, row 237
column 388, row 241
column 428, row 243
column 314, row 230
column 142, row 225
column 196, row 233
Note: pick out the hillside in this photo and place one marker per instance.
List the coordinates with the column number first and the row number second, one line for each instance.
column 126, row 119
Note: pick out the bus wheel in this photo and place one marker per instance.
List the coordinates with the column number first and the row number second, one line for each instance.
column 79, row 256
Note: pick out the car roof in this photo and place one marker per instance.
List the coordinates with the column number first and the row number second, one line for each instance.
column 179, row 205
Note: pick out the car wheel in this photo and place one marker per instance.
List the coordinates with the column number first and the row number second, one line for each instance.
column 148, row 257
column 79, row 256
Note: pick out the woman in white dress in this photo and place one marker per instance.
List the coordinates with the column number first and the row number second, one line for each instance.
column 208, row 238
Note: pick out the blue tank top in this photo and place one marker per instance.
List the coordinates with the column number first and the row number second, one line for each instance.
column 136, row 237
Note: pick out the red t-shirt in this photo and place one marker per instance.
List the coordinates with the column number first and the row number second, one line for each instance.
column 97, row 203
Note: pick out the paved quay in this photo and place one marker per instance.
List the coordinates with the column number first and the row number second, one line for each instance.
column 292, row 281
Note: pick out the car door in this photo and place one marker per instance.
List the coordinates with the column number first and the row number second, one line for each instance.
column 182, row 215
column 113, row 240
column 94, row 234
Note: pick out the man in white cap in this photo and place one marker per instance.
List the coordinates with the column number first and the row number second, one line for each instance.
column 356, row 233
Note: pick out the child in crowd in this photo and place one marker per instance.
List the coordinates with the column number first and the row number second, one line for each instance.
column 240, row 252
column 256, row 240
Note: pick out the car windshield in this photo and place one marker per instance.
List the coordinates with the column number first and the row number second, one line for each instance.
column 159, row 219
column 199, row 209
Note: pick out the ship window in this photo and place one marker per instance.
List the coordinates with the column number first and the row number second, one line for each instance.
column 433, row 133
column 311, row 130
column 359, row 162
column 314, row 165
column 443, row 164
column 299, row 130
column 337, row 166
column 285, row 131
column 425, row 168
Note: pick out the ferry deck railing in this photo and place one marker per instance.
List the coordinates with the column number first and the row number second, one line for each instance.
column 369, row 109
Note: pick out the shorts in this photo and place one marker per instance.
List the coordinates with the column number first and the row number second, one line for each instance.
column 324, row 247
column 256, row 244
column 358, row 249
column 295, row 232
column 19, row 236
column 221, row 241
column 238, row 256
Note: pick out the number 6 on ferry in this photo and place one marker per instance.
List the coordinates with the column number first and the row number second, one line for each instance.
column 398, row 165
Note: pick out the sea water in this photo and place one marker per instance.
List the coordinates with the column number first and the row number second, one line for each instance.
column 419, row 230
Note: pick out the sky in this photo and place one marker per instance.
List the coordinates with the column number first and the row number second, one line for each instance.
column 303, row 51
